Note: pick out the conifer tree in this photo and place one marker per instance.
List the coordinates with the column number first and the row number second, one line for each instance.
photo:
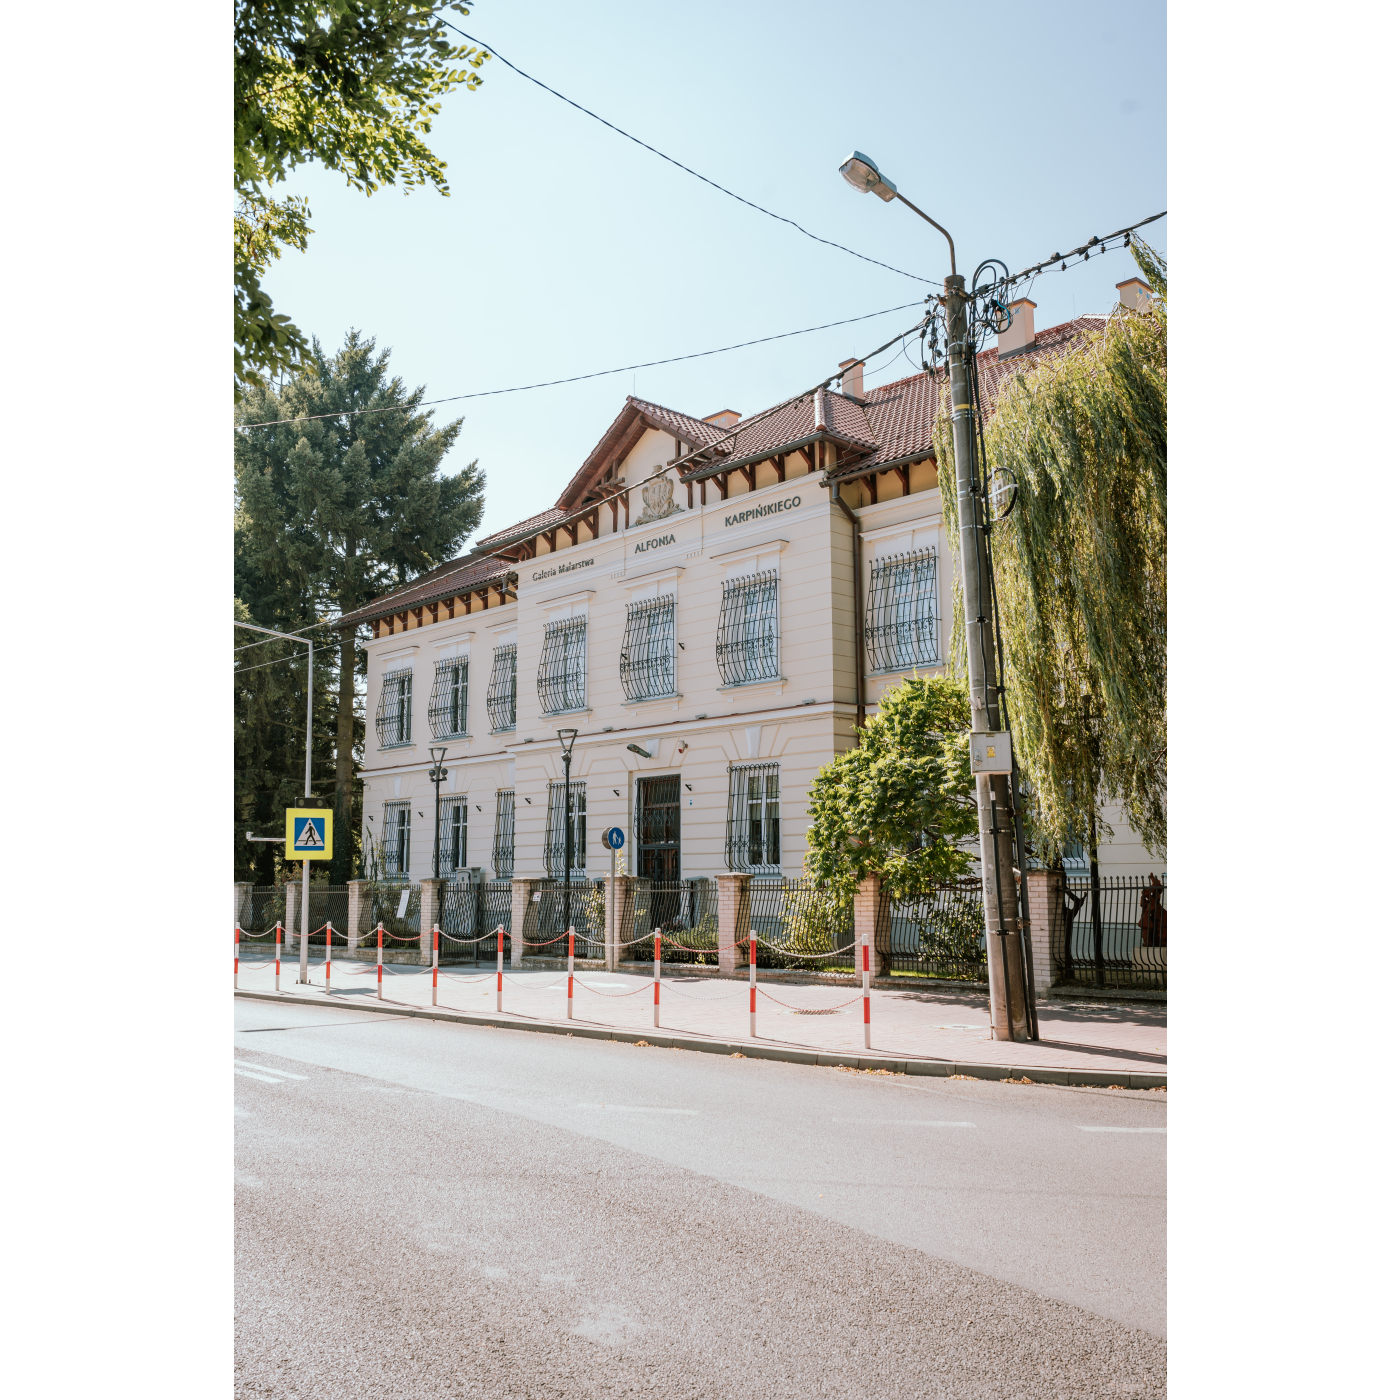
column 337, row 509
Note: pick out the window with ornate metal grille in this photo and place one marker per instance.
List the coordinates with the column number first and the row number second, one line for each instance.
column 753, row 839
column 447, row 706
column 398, row 833
column 746, row 645
column 901, row 611
column 560, row 682
column 452, row 835
column 394, row 718
column 554, row 837
column 648, row 661
column 500, row 690
column 503, row 841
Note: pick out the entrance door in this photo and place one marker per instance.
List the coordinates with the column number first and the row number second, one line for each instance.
column 659, row 828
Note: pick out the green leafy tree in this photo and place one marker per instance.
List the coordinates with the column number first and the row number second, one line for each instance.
column 1081, row 574
column 901, row 803
column 352, row 85
column 339, row 509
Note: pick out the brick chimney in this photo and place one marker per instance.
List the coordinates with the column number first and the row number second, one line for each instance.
column 853, row 378
column 1021, row 336
column 725, row 418
column 1135, row 294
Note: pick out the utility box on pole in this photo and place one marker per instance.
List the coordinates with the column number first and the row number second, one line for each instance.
column 991, row 753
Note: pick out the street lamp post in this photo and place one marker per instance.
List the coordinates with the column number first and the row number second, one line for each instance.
column 302, row 975
column 1012, row 1014
column 436, row 774
column 566, row 741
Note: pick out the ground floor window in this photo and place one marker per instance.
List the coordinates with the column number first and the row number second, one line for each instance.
column 560, row 813
column 753, row 839
column 659, row 828
column 452, row 835
column 397, row 838
column 503, row 841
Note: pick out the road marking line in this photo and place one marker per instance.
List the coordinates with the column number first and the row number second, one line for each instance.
column 903, row 1123
column 266, row 1078
column 1122, row 1130
column 264, row 1069
column 633, row 1108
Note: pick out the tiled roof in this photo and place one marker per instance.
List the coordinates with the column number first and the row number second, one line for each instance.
column 636, row 416
column 523, row 530
column 455, row 576
column 901, row 415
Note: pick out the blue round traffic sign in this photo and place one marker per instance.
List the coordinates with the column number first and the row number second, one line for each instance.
column 615, row 837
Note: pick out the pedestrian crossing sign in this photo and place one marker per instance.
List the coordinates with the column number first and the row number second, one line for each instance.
column 309, row 833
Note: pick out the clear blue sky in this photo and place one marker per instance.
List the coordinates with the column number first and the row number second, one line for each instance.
column 1023, row 127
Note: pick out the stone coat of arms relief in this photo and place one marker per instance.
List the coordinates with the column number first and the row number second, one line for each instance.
column 657, row 502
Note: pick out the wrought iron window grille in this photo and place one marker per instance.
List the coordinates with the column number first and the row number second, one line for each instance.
column 554, row 835
column 394, row 718
column 746, row 645
column 647, row 664
column 503, row 840
column 500, row 689
column 447, row 706
column 452, row 834
column 901, row 611
column 560, row 681
column 753, row 836
column 398, row 837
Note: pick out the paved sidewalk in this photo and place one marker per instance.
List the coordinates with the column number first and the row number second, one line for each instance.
column 913, row 1024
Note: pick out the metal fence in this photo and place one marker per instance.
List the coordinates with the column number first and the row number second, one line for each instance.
column 1113, row 934
column 587, row 908
column 686, row 912
column 330, row 904
column 382, row 900
column 800, row 924
column 469, row 912
column 263, row 908
column 938, row 933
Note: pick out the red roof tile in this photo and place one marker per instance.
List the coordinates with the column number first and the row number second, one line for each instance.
column 455, row 576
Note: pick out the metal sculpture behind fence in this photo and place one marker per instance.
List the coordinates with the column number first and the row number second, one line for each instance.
column 1114, row 936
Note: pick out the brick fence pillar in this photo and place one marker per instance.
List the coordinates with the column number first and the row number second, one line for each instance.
column 868, row 923
column 357, row 911
column 291, row 923
column 1046, row 889
column 733, row 921
column 429, row 913
column 621, row 907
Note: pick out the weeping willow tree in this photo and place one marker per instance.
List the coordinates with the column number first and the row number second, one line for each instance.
column 1081, row 573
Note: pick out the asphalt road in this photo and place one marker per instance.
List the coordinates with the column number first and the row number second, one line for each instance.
column 430, row 1210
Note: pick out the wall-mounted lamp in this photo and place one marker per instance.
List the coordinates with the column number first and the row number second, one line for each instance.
column 638, row 749
column 688, row 788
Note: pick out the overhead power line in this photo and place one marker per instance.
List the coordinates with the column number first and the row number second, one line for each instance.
column 714, row 184
column 576, row 378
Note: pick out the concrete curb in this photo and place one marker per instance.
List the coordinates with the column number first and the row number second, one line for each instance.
column 747, row 1048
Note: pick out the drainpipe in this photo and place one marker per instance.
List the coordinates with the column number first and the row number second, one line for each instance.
column 859, row 604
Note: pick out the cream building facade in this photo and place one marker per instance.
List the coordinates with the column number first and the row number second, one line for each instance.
column 712, row 603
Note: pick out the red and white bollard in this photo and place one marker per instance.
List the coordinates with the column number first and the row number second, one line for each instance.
column 277, row 960
column 656, row 981
column 500, row 960
column 865, row 979
column 571, row 973
column 753, row 984
column 435, row 962
column 379, row 969
column 329, row 931
column 236, row 933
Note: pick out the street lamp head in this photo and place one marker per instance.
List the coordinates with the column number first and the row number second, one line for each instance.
column 863, row 174
column 566, row 740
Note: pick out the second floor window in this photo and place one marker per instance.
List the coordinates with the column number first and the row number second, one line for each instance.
column 577, row 810
column 398, row 832
column 500, row 691
column 503, row 841
column 901, row 611
column 746, row 645
column 753, row 840
column 394, row 718
column 560, row 681
column 447, row 709
column 648, row 660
